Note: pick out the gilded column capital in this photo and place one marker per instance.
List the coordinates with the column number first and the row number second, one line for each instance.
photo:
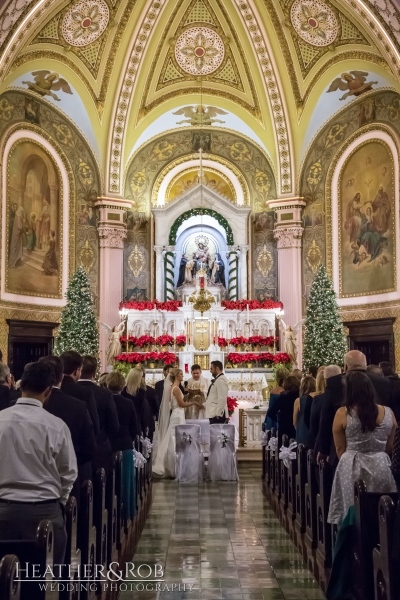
column 111, row 237
column 288, row 237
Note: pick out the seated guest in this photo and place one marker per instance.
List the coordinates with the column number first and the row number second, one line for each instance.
column 72, row 362
column 38, row 463
column 136, row 390
column 282, row 411
column 75, row 414
column 106, row 409
column 353, row 361
column 280, row 375
column 394, row 380
column 123, row 439
column 307, row 387
column 159, row 387
column 5, row 385
column 363, row 433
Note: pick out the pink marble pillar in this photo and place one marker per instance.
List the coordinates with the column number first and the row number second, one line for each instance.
column 112, row 233
column 288, row 233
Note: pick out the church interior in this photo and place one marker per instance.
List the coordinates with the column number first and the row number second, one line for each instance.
column 213, row 151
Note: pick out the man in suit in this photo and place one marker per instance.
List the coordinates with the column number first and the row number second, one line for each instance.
column 216, row 406
column 75, row 414
column 333, row 399
column 72, row 362
column 394, row 380
column 5, row 385
column 107, row 411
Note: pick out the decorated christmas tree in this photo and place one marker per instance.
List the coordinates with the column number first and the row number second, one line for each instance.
column 78, row 328
column 324, row 340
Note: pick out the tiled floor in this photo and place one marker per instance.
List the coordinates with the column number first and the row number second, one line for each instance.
column 224, row 541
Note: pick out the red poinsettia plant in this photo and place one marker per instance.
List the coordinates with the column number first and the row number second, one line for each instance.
column 167, row 358
column 232, row 404
column 165, row 340
column 144, row 340
column 252, row 304
column 237, row 358
column 180, row 340
column 236, row 341
column 169, row 305
column 282, row 357
column 222, row 342
column 131, row 339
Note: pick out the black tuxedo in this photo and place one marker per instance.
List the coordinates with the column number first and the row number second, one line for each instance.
column 151, row 397
column 4, row 396
column 129, row 425
column 109, row 423
column 70, row 387
column 159, row 389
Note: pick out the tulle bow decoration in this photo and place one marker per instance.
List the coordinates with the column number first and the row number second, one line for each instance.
column 264, row 438
column 186, row 438
column 273, row 445
column 147, row 447
column 286, row 453
column 223, row 439
column 138, row 459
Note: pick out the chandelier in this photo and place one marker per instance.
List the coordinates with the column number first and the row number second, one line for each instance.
column 201, row 298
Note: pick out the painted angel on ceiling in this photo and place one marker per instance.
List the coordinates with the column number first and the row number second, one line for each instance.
column 45, row 82
column 355, row 82
column 200, row 115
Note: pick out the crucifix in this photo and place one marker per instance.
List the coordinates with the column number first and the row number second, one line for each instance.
column 202, row 327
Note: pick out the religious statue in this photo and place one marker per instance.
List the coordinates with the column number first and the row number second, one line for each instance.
column 218, row 271
column 290, row 344
column 200, row 115
column 114, row 338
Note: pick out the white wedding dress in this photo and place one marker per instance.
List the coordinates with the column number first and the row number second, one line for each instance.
column 164, row 464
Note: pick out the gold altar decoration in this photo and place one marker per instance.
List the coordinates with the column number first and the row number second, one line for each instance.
column 201, row 297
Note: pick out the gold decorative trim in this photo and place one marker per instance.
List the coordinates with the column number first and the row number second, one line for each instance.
column 26, row 127
column 328, row 191
column 206, row 169
column 188, row 157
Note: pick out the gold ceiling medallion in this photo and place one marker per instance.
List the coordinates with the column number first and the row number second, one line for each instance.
column 314, row 256
column 86, row 256
column 314, row 22
column 201, row 298
column 199, row 51
column 136, row 261
column 84, row 22
column 264, row 261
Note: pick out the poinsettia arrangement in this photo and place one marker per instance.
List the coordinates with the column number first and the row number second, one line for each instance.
column 164, row 340
column 144, row 340
column 237, row 358
column 167, row 358
column 252, row 304
column 222, row 342
column 131, row 339
column 169, row 305
column 180, row 340
column 232, row 404
column 236, row 341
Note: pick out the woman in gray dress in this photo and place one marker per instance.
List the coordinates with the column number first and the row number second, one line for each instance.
column 363, row 433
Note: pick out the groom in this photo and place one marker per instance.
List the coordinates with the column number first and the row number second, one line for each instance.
column 216, row 406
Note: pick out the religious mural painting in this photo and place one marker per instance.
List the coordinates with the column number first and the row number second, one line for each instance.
column 353, row 83
column 34, row 222
column 189, row 178
column 32, row 111
column 45, row 83
column 367, row 225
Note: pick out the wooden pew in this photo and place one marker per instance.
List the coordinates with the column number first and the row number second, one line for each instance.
column 284, row 496
column 120, row 525
column 366, row 537
column 10, row 589
column 267, row 461
column 39, row 552
column 72, row 552
column 292, row 473
column 386, row 578
column 301, row 479
column 100, row 517
column 310, row 493
column 87, row 538
column 111, row 504
column 324, row 530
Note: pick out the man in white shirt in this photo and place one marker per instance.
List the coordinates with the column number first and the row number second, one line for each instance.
column 197, row 384
column 38, row 463
column 216, row 405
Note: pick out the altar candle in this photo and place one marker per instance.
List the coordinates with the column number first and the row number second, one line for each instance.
column 201, row 282
column 251, row 375
column 248, row 314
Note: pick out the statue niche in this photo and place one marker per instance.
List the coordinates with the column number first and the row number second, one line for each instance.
column 201, row 253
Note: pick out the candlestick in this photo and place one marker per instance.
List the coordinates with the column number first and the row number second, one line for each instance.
column 248, row 314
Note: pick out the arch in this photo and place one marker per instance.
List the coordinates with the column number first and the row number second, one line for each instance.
column 194, row 212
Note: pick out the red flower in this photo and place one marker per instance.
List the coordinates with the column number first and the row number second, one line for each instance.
column 180, row 340
column 238, row 340
column 144, row 340
column 252, row 304
column 168, row 358
column 170, row 305
column 222, row 342
column 165, row 340
column 281, row 357
column 232, row 403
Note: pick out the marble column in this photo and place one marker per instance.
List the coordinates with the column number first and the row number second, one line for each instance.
column 159, row 271
column 242, row 268
column 112, row 233
column 288, row 233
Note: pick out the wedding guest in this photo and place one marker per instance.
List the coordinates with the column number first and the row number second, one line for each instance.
column 159, row 386
column 38, row 463
column 396, row 457
column 363, row 433
column 5, row 385
column 106, row 409
column 394, row 380
column 281, row 375
column 152, row 401
column 307, row 388
column 135, row 390
column 124, row 438
column 329, row 373
column 282, row 411
column 216, row 406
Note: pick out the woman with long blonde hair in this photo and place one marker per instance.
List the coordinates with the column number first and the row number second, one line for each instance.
column 164, row 464
column 135, row 390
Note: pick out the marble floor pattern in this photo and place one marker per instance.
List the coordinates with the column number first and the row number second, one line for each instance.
column 224, row 540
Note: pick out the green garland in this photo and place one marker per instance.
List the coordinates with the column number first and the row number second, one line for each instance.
column 194, row 212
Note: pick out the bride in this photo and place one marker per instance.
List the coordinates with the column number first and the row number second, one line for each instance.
column 164, row 464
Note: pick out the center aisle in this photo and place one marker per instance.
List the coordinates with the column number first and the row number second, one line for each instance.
column 222, row 541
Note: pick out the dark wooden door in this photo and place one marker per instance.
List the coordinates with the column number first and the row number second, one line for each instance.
column 27, row 342
column 374, row 338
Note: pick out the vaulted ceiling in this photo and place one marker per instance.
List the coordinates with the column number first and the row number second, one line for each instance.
column 267, row 64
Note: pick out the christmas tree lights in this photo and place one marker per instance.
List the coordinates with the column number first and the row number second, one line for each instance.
column 324, row 340
column 78, row 328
